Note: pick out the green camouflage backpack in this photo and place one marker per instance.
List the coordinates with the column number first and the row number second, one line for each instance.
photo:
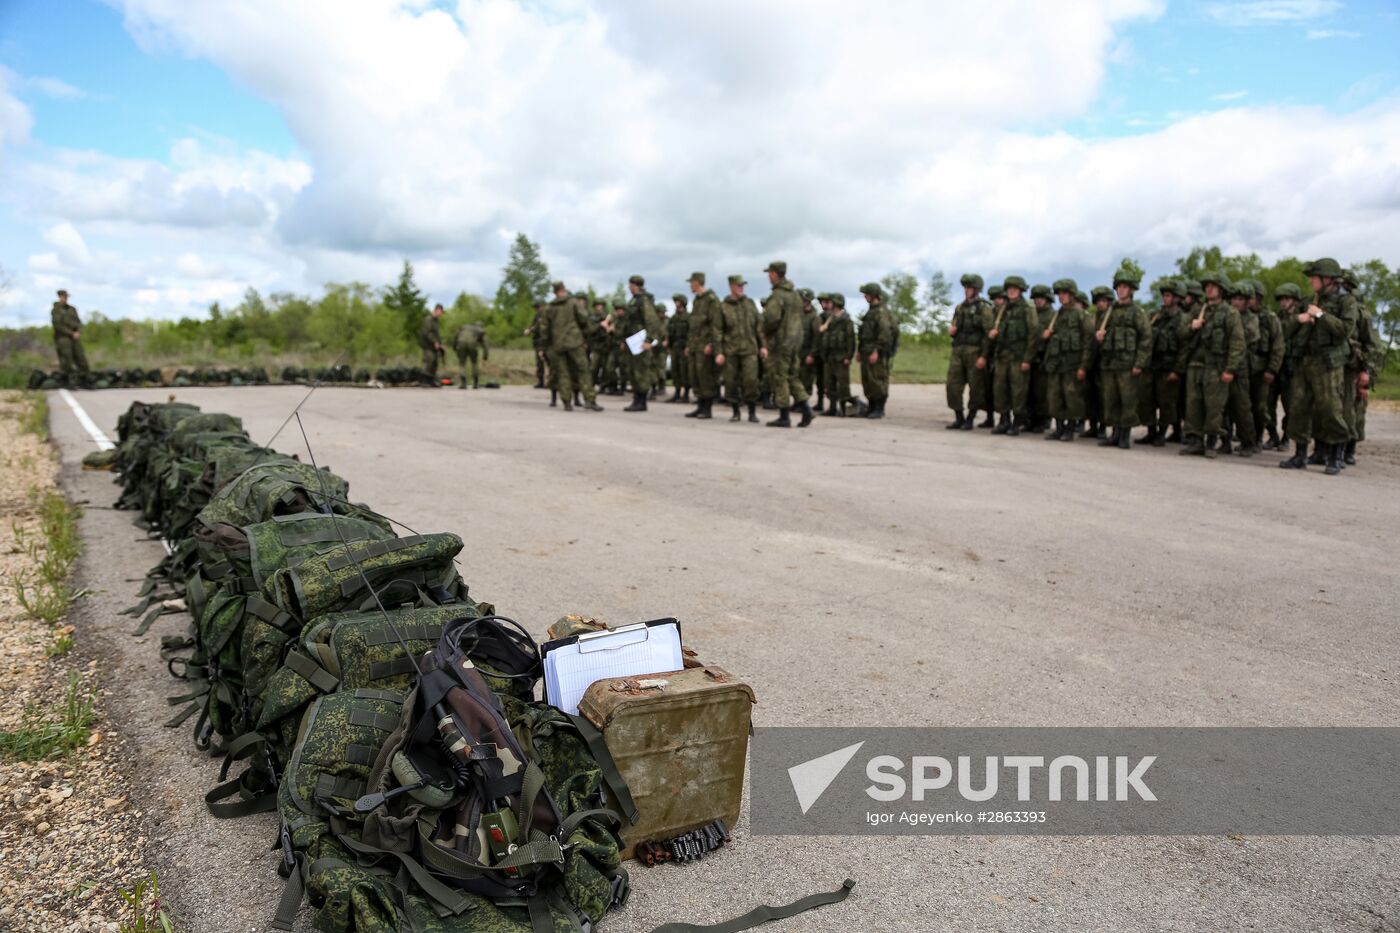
column 279, row 485
column 141, row 432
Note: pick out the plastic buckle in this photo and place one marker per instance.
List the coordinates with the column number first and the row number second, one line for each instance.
column 621, row 889
column 289, row 856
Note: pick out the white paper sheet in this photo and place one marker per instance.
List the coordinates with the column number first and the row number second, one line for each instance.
column 634, row 343
column 630, row 651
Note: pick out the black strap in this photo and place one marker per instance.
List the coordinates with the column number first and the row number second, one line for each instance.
column 763, row 914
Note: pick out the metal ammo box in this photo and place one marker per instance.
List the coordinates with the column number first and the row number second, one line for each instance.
column 680, row 740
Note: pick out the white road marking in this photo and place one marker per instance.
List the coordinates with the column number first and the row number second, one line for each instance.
column 102, row 441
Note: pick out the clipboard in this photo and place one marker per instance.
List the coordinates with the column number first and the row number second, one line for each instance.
column 634, row 343
column 573, row 664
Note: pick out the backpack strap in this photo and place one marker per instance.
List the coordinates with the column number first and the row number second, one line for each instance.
column 763, row 914
column 617, row 786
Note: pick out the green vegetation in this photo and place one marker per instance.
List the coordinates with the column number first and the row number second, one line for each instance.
column 147, row 913
column 918, row 361
column 38, row 738
column 34, row 419
column 44, row 593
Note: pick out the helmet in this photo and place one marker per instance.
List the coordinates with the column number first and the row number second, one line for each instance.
column 1288, row 290
column 1065, row 285
column 1242, row 289
column 1040, row 291
column 1172, row 287
column 1014, row 281
column 1126, row 277
column 1100, row 292
column 996, row 291
column 872, row 288
column 1327, row 268
column 972, row 280
column 1211, row 277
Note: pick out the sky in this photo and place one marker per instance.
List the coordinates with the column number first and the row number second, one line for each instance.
column 160, row 155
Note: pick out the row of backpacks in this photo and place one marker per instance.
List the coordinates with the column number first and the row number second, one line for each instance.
column 41, row 380
column 346, row 679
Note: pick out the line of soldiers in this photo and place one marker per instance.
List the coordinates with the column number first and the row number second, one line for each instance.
column 723, row 350
column 1209, row 368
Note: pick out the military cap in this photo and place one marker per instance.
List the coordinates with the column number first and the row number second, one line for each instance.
column 1193, row 288
column 1014, row 281
column 806, row 294
column 559, row 286
column 1211, row 277
column 972, row 280
column 1040, row 291
column 678, row 297
column 777, row 266
column 996, row 291
column 63, row 293
column 698, row 277
column 1327, row 268
column 737, row 280
column 1066, row 285
column 872, row 288
column 1172, row 287
column 1101, row 292
column 1287, row 290
column 838, row 299
column 636, row 280
column 1125, row 277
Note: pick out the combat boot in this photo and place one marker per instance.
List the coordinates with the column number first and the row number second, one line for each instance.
column 1092, row 431
column 735, row 416
column 1246, row 450
column 1349, row 455
column 1159, row 438
column 1056, row 429
column 1193, row 448
column 806, row 409
column 1002, row 425
column 1014, row 428
column 553, row 398
column 877, row 409
column 1151, row 436
column 476, row 382
column 753, row 413
column 1299, row 460
column 639, row 402
column 1109, row 440
column 578, row 398
column 698, row 409
column 987, row 421
column 782, row 421
column 593, row 406
column 705, row 413
column 1174, row 436
column 830, row 408
column 1273, row 443
column 568, row 404
column 1334, row 459
column 462, row 383
column 1067, row 432
column 1125, row 439
column 1226, row 446
column 1318, row 458
column 957, row 423
column 1210, row 451
column 675, row 397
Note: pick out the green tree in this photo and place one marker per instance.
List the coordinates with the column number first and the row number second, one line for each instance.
column 524, row 280
column 1380, row 289
column 1132, row 267
column 937, row 306
column 902, row 299
column 405, row 300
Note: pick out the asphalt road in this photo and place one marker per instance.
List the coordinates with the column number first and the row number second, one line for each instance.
column 860, row 573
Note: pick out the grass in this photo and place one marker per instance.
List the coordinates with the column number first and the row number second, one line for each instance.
column 147, row 913
column 44, row 592
column 34, row 419
column 38, row 738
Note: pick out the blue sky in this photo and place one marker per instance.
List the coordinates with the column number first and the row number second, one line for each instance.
column 157, row 155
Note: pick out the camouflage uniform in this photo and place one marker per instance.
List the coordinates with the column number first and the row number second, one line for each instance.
column 807, row 349
column 537, row 342
column 1262, row 385
column 1241, row 404
column 66, row 342
column 876, row 336
column 738, row 343
column 565, row 324
column 706, row 329
column 1207, row 353
column 470, row 342
column 1158, row 389
column 677, row 339
column 1126, row 346
column 1039, row 404
column 782, row 335
column 1016, row 344
column 1102, row 298
column 1320, row 348
column 599, row 347
column 1066, row 356
column 1288, row 298
column 430, row 341
column 838, row 349
column 640, row 315
column 816, row 378
column 1358, row 338
column 971, row 321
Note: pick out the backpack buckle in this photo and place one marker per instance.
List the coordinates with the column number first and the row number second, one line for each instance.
column 289, row 857
column 621, row 889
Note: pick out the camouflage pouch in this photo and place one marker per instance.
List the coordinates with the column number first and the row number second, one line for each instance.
column 417, row 569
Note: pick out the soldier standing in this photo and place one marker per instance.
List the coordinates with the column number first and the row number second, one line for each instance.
column 967, row 364
column 737, row 352
column 1264, row 365
column 806, row 371
column 470, row 342
column 677, row 339
column 640, row 316
column 1124, row 340
column 1318, row 340
column 598, row 346
column 1093, row 385
column 1370, row 364
column 430, row 341
column 1240, row 407
column 997, row 294
column 1287, row 297
column 874, row 343
column 619, row 358
column 814, row 358
column 1016, row 338
column 565, row 324
column 1038, row 415
column 838, row 347
column 703, row 342
column 67, row 338
column 1068, row 337
column 1158, row 389
column 1355, row 375
column 536, row 334
column 1212, row 350
column 782, row 341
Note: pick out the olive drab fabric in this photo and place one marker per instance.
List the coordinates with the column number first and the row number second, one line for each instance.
column 1319, row 351
column 1017, row 342
column 781, row 329
column 677, row 341
column 470, row 345
column 1067, row 354
column 706, row 330
column 1207, row 352
column 429, row 341
column 1159, row 385
column 1126, row 345
column 739, row 344
column 876, row 335
column 67, row 340
column 971, row 322
column 566, row 324
column 839, row 348
column 640, row 315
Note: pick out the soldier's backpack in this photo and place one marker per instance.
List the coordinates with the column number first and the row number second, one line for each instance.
column 141, row 432
column 278, row 485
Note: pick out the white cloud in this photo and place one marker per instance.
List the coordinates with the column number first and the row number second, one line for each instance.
column 1268, row 12
column 1315, row 34
column 15, row 119
column 56, row 88
column 1230, row 96
column 71, row 246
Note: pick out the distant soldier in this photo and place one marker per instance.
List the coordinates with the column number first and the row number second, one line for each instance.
column 640, row 316
column 1159, row 388
column 702, row 343
column 967, row 364
column 565, row 324
column 1265, row 368
column 1356, row 375
column 1124, row 340
column 470, row 342
column 1038, row 401
column 782, row 341
column 599, row 345
column 737, row 352
column 430, row 341
column 67, row 338
column 1015, row 335
column 838, row 347
column 1319, row 343
column 1102, row 297
column 874, row 343
column 677, row 339
column 619, row 358
column 997, row 295
column 1288, row 298
column 1240, row 407
column 1212, row 351
column 1067, row 338
column 813, row 358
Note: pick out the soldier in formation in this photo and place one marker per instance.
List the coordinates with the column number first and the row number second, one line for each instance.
column 677, row 339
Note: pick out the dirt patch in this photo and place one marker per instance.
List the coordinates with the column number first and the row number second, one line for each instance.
column 70, row 840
